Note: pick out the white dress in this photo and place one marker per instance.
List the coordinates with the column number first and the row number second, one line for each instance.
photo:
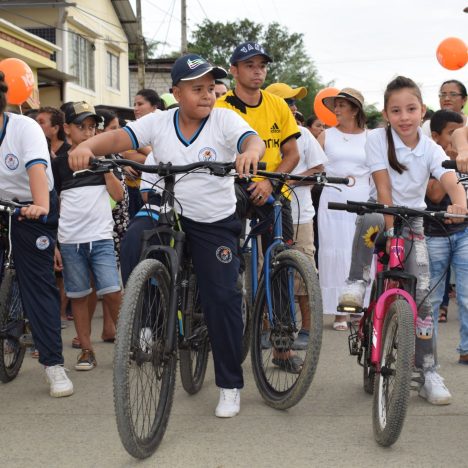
column 346, row 156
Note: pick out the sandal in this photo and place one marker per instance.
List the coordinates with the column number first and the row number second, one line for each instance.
column 76, row 343
column 340, row 326
column 443, row 314
column 292, row 364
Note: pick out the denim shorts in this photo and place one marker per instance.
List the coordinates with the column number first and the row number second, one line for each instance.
column 79, row 260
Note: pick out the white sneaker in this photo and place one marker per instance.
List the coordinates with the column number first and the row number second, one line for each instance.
column 146, row 339
column 60, row 384
column 434, row 390
column 229, row 403
column 353, row 294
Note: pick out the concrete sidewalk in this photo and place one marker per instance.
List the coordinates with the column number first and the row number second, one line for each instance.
column 331, row 427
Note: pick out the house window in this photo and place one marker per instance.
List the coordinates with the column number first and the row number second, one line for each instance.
column 81, row 60
column 49, row 34
column 113, row 71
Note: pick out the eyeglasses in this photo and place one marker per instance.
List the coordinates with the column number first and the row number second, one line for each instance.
column 81, row 127
column 290, row 102
column 450, row 95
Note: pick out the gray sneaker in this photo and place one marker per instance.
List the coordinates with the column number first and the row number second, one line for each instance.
column 302, row 340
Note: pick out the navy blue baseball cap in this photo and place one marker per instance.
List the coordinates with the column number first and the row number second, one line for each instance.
column 192, row 66
column 248, row 50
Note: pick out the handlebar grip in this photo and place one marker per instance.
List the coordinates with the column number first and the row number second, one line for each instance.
column 339, row 206
column 449, row 164
column 42, row 218
column 337, row 180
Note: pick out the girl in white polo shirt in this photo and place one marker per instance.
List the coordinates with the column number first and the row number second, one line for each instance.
column 401, row 160
column 26, row 175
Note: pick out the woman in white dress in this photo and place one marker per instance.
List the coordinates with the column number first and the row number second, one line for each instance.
column 344, row 147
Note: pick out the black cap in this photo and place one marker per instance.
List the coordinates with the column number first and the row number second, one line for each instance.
column 192, row 66
column 76, row 112
column 248, row 50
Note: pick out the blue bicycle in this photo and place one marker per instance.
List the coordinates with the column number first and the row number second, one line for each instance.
column 286, row 300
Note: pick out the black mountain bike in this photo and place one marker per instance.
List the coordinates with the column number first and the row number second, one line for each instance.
column 160, row 319
column 15, row 335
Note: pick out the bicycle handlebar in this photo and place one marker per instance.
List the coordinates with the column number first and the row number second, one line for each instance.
column 368, row 207
column 449, row 164
column 101, row 166
column 14, row 209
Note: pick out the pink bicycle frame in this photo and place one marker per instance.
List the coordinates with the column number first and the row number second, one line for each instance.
column 396, row 261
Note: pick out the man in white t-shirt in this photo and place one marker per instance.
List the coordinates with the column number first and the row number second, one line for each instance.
column 311, row 160
column 206, row 204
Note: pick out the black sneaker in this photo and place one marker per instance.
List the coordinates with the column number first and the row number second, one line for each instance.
column 86, row 360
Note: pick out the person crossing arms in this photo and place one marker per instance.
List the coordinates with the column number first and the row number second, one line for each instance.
column 193, row 132
column 25, row 173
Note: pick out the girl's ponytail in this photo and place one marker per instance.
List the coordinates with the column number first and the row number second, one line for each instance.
column 392, row 157
column 400, row 82
column 3, row 91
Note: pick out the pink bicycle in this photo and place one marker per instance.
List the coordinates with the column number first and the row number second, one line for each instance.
column 384, row 340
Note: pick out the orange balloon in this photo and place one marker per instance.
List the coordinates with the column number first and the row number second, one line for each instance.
column 322, row 112
column 19, row 78
column 452, row 53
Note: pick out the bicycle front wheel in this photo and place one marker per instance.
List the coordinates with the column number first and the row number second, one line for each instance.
column 392, row 383
column 11, row 327
column 144, row 372
column 194, row 355
column 283, row 360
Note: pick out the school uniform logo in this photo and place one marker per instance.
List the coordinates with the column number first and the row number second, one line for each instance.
column 224, row 254
column 11, row 161
column 207, row 154
column 42, row 242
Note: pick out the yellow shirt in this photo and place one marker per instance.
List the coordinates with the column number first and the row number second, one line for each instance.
column 271, row 119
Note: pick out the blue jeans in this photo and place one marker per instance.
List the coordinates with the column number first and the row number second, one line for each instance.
column 441, row 254
column 97, row 257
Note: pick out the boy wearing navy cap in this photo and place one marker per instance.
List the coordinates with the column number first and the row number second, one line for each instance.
column 182, row 136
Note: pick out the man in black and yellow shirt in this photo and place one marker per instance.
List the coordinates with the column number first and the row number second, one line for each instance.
column 271, row 118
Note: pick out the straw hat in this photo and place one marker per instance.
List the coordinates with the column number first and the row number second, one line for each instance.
column 350, row 94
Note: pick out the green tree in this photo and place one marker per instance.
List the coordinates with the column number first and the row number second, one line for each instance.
column 291, row 64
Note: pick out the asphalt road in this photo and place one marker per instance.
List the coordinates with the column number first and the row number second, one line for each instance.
column 330, row 427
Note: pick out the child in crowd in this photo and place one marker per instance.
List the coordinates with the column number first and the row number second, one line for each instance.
column 447, row 246
column 182, row 136
column 25, row 173
column 86, row 231
column 401, row 160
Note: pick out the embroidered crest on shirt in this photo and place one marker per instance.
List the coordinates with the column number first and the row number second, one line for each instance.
column 224, row 254
column 11, row 161
column 207, row 154
column 42, row 242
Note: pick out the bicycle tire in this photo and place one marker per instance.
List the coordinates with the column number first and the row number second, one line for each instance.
column 246, row 282
column 278, row 387
column 139, row 364
column 194, row 358
column 11, row 314
column 390, row 404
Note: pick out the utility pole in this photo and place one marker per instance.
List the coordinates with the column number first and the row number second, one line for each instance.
column 140, row 48
column 183, row 24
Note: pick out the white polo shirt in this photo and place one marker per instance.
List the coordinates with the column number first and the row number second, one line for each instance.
column 408, row 188
column 202, row 197
column 311, row 155
column 22, row 145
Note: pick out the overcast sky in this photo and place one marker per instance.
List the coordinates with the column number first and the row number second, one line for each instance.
column 357, row 43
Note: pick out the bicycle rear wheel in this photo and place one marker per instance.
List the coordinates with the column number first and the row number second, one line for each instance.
column 246, row 282
column 368, row 375
column 281, row 383
column 392, row 383
column 11, row 327
column 194, row 355
column 144, row 374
